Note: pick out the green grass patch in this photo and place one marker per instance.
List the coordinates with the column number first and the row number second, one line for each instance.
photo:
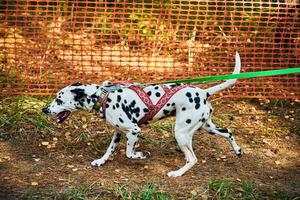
column 148, row 192
column 226, row 189
column 75, row 194
column 165, row 125
column 16, row 111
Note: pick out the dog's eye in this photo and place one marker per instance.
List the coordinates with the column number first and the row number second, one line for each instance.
column 59, row 101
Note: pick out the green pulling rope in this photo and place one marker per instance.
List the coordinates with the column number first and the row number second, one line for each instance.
column 234, row 76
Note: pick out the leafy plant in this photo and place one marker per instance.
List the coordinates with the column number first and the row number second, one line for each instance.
column 23, row 109
column 75, row 194
column 249, row 192
column 149, row 192
column 163, row 126
column 223, row 189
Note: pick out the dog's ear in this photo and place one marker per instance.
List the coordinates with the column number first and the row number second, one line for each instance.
column 79, row 93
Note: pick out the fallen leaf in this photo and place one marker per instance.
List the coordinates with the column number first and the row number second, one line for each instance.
column 45, row 143
column 83, row 119
column 194, row 192
column 84, row 126
column 204, row 196
column 34, row 183
column 7, row 158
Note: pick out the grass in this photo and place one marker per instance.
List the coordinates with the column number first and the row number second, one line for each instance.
column 75, row 194
column 222, row 189
column 165, row 125
column 23, row 109
column 218, row 190
column 68, row 193
column 226, row 189
column 149, row 192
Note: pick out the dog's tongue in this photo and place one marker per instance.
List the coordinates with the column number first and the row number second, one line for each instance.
column 62, row 116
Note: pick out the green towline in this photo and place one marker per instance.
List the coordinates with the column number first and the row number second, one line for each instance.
column 235, row 76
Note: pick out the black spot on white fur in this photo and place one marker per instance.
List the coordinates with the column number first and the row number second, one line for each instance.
column 59, row 101
column 77, row 84
column 78, row 93
column 146, row 110
column 119, row 98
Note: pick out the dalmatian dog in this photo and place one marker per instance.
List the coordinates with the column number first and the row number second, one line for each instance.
column 125, row 110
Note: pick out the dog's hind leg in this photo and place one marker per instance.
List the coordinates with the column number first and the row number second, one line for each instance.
column 214, row 130
column 184, row 141
column 110, row 150
column 185, row 127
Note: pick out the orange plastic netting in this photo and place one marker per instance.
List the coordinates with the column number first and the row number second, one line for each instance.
column 48, row 44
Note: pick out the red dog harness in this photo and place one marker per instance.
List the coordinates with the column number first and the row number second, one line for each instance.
column 153, row 108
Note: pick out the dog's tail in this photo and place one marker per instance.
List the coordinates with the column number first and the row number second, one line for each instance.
column 229, row 82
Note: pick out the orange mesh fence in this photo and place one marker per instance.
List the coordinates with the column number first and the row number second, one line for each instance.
column 48, row 44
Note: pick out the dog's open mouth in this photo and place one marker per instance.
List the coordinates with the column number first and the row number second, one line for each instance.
column 62, row 116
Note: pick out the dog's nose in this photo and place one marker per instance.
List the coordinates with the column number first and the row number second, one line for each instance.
column 45, row 110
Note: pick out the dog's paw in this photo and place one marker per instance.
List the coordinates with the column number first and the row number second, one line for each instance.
column 98, row 162
column 146, row 154
column 139, row 155
column 174, row 174
column 239, row 153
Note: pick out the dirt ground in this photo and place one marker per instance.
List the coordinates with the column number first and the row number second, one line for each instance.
column 42, row 162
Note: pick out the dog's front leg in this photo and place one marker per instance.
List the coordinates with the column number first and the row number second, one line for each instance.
column 132, row 138
column 110, row 150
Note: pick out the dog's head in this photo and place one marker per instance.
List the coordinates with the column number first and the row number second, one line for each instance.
column 71, row 98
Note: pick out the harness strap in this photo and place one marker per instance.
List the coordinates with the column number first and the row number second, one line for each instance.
column 143, row 96
column 165, row 88
column 153, row 108
column 160, row 104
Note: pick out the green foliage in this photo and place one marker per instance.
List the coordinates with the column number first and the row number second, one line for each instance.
column 149, row 192
column 163, row 125
column 249, row 192
column 22, row 109
column 225, row 189
column 75, row 194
